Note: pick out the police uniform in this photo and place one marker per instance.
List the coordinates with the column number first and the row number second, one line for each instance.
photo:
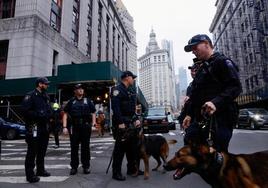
column 217, row 80
column 37, row 111
column 123, row 106
column 80, row 112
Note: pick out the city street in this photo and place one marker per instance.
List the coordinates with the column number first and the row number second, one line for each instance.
column 57, row 163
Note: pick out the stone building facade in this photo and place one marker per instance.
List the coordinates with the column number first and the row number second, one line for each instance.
column 240, row 31
column 38, row 35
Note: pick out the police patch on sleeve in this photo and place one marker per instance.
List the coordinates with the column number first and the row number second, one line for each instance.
column 115, row 93
column 27, row 97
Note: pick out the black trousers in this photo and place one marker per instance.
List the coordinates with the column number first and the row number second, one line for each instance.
column 36, row 151
column 80, row 134
column 128, row 146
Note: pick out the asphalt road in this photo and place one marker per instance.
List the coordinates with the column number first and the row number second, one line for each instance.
column 57, row 163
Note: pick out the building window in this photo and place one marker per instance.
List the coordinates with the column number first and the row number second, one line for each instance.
column 256, row 80
column 245, row 45
column 246, row 23
column 265, row 23
column 126, row 58
column 163, row 57
column 240, row 12
column 75, row 23
column 242, row 28
column 3, row 58
column 249, row 42
column 7, row 8
column 265, row 49
column 247, row 85
column 244, row 7
column 113, row 45
column 250, row 58
column 55, row 14
column 246, row 60
column 89, row 28
column 123, row 55
column 154, row 58
column 251, row 82
column 118, row 50
column 107, row 36
column 55, row 63
column 99, row 31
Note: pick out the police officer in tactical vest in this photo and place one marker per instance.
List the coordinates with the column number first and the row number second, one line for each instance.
column 82, row 116
column 124, row 126
column 37, row 112
column 214, row 89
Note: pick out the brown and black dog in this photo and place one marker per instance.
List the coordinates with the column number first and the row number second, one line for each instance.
column 156, row 146
column 221, row 170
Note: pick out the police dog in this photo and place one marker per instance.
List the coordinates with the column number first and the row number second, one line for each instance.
column 156, row 146
column 221, row 170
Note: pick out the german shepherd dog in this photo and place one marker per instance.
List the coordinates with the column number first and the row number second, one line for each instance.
column 221, row 170
column 156, row 146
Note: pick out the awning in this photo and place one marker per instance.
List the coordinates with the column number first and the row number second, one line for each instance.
column 99, row 72
column 97, row 76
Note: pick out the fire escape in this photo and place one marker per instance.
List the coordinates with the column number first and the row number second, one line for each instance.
column 256, row 74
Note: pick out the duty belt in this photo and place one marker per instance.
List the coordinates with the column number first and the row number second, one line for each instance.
column 80, row 121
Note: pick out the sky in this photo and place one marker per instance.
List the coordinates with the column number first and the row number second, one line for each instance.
column 175, row 20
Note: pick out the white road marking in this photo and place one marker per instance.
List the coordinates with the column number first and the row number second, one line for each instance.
column 92, row 140
column 9, row 145
column 171, row 133
column 14, row 153
column 13, row 149
column 46, row 158
column 18, row 167
column 20, row 179
column 249, row 131
column 102, row 147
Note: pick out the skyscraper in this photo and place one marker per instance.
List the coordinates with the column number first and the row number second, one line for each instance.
column 155, row 75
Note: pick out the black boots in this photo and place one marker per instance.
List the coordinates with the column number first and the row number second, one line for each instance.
column 119, row 177
column 43, row 173
column 86, row 171
column 73, row 171
column 33, row 179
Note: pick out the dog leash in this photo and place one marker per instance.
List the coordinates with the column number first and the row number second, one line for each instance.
column 209, row 140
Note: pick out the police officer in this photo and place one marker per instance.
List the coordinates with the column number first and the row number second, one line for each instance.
column 82, row 116
column 37, row 111
column 193, row 70
column 123, row 106
column 214, row 89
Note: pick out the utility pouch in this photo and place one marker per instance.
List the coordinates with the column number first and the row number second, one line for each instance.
column 34, row 131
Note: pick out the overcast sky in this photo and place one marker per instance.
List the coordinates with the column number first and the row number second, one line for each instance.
column 175, row 20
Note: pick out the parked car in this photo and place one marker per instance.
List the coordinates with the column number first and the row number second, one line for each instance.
column 157, row 120
column 253, row 118
column 10, row 131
